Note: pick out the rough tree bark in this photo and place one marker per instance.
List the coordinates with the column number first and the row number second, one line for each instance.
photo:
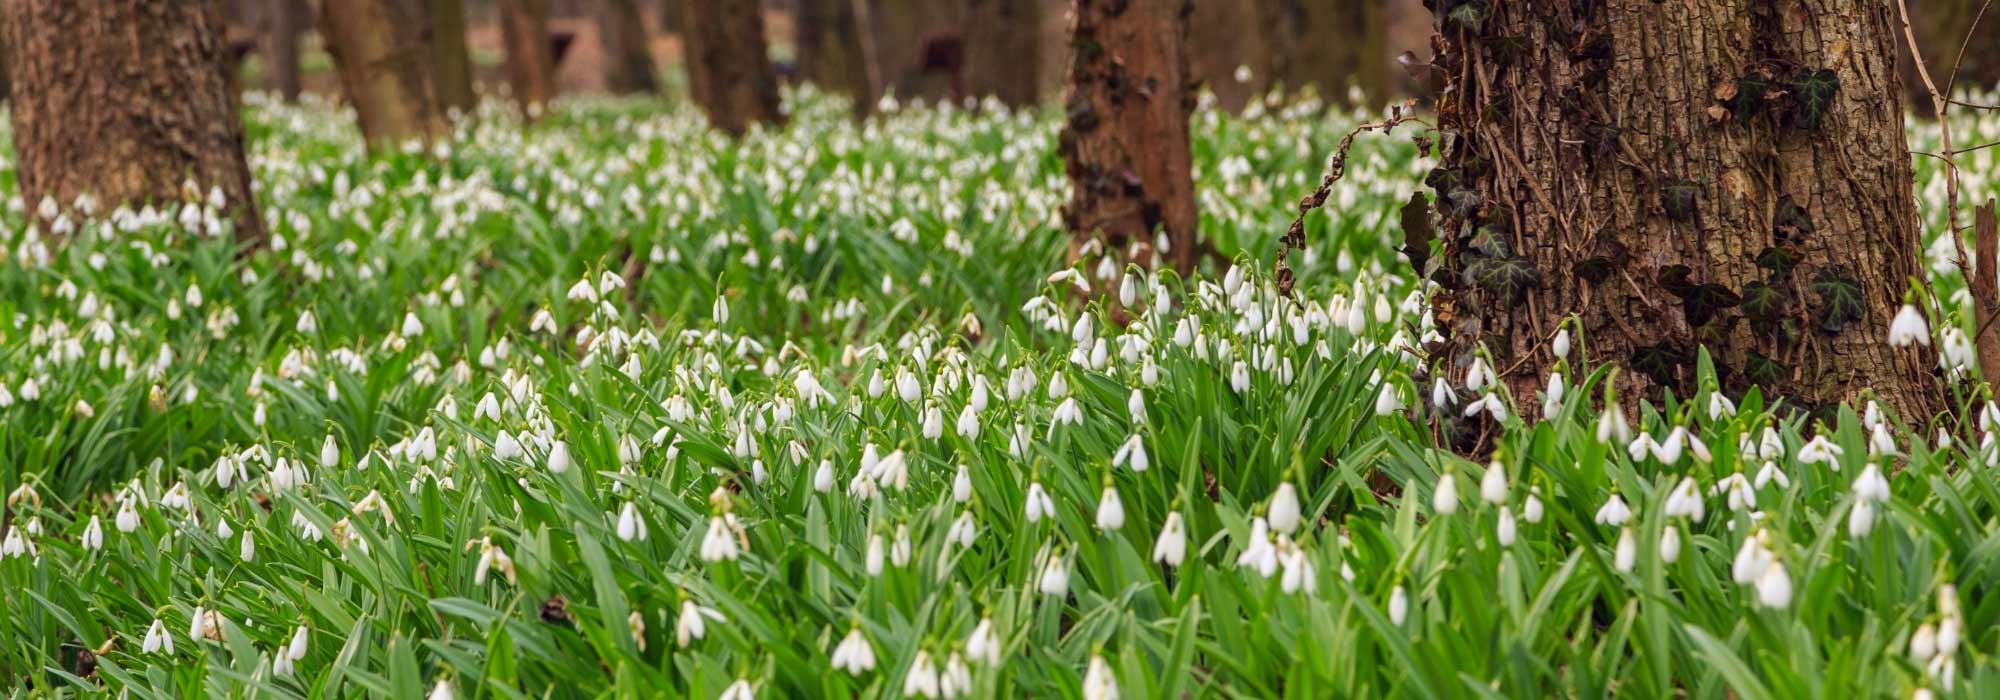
column 379, row 51
column 287, row 20
column 531, row 63
column 1003, row 42
column 1125, row 144
column 451, row 59
column 1324, row 43
column 628, row 62
column 833, row 49
column 1727, row 173
column 125, row 101
column 729, row 70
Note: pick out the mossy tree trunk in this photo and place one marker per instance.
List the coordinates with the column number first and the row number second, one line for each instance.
column 451, row 63
column 729, row 68
column 531, row 63
column 380, row 53
column 628, row 63
column 1722, row 173
column 1125, row 144
column 1003, row 43
column 125, row 101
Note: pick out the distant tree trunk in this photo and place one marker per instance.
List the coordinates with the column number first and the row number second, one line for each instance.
column 833, row 51
column 628, row 60
column 287, row 22
column 1224, row 36
column 906, row 31
column 729, row 69
column 1003, row 41
column 379, row 52
column 1125, row 146
column 670, row 16
column 531, row 65
column 1722, row 173
column 451, row 62
column 1942, row 27
column 125, row 101
column 1324, row 43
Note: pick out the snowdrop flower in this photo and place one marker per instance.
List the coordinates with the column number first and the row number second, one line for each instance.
column 1737, row 492
column 1561, row 343
column 1039, row 503
column 1531, row 511
column 1751, row 559
column 93, row 535
column 1136, row 405
column 1493, row 485
column 693, row 622
column 441, row 691
column 1611, row 425
column 719, row 543
column 1774, row 587
column 968, row 423
column 329, row 453
column 1861, row 519
column 823, row 476
column 1479, row 375
column 1614, row 512
column 1685, row 501
column 491, row 558
column 1923, row 643
column 956, row 680
column 1131, row 453
column 1388, row 400
column 128, row 517
column 631, row 528
column 1489, row 404
column 505, row 447
column 157, row 639
column 1171, row 546
column 1259, row 554
column 1283, row 513
column 1720, row 406
column 854, row 655
column 1552, row 398
column 1399, row 605
column 1626, row 554
column 1880, row 442
column 961, row 486
column 922, row 680
column 1504, row 529
column 984, row 644
column 1670, row 544
column 740, row 690
column 1770, row 473
column 1442, row 396
column 297, row 649
column 1055, row 575
column 1110, row 511
column 411, row 326
column 247, row 548
column 1909, row 327
column 1870, row 485
column 558, row 460
column 1098, row 683
column 1770, row 445
column 1820, row 451
column 1444, row 499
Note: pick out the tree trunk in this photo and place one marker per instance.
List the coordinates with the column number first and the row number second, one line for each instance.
column 729, row 70
column 287, row 22
column 379, row 52
column 1002, row 46
column 1223, row 36
column 125, row 101
column 1942, row 27
column 628, row 58
column 1328, row 44
column 904, row 29
column 670, row 16
column 531, row 65
column 834, row 51
column 1727, row 173
column 1125, row 146
column 451, row 62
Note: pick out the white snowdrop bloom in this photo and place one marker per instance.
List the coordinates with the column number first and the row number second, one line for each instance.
column 1039, row 504
column 1774, row 586
column 1611, row 426
column 412, row 327
column 961, row 485
column 1399, row 605
column 1110, row 510
column 491, row 558
column 1171, row 546
column 854, row 655
column 1820, row 451
column 719, row 543
column 329, row 453
column 1489, row 404
column 1881, row 443
column 93, row 535
column 1861, row 519
column 1750, row 560
column 1284, row 511
column 922, row 680
column 1479, row 375
column 876, row 385
column 740, row 690
column 1686, row 501
column 1055, row 576
column 1923, row 643
column 1136, row 406
column 1561, row 343
column 128, row 517
column 963, row 531
column 1949, row 633
column 1239, row 377
column 968, row 423
column 1493, row 485
column 1531, row 511
column 1098, row 682
column 297, row 649
column 956, row 680
column 157, row 639
column 899, row 550
column 1444, row 498
column 506, row 447
column 983, row 645
column 823, row 476
column 441, row 691
column 1131, row 453
column 1504, row 528
column 631, row 527
column 16, row 545
column 1259, row 553
column 1770, row 445
column 1871, row 485
column 692, row 624
column 1067, row 412
column 1614, row 512
column 246, row 549
column 1670, row 544
column 1719, row 406
column 558, row 459
column 1552, row 397
column 1909, row 327
column 1670, row 450
column 907, row 387
column 1770, row 473
column 1737, row 492
column 1626, row 553
column 1442, row 396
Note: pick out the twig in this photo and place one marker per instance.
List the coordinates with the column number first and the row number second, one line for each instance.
column 1295, row 236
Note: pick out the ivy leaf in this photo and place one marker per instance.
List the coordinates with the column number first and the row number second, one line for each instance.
column 1816, row 90
column 1762, row 303
column 1763, row 371
column 1468, row 16
column 1779, row 260
column 1507, row 278
column 1490, row 242
column 1678, row 196
column 1417, row 234
column 1661, row 363
column 1790, row 222
column 1706, row 301
column 1840, row 297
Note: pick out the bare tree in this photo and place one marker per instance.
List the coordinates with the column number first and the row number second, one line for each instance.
column 451, row 59
column 124, row 102
column 379, row 51
column 1003, row 42
column 628, row 61
column 1125, row 146
column 729, row 70
column 531, row 63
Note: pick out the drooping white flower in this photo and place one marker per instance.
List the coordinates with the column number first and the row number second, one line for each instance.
column 1626, row 554
column 719, row 543
column 693, row 622
column 922, row 679
column 157, row 639
column 1284, row 512
column 854, row 654
column 1504, row 529
column 1098, row 683
column 631, row 527
column 1686, row 501
column 741, row 689
column 1493, row 485
column 983, row 645
column 1131, row 453
column 1774, row 586
column 1820, row 451
column 1399, row 605
column 1110, row 510
column 1171, row 546
column 1444, row 499
column 1611, row 426
column 1054, row 579
column 1614, row 512
column 1909, row 327
column 1670, row 544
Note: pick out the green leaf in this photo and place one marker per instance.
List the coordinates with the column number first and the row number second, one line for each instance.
column 1841, row 299
column 1815, row 91
column 1506, row 278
